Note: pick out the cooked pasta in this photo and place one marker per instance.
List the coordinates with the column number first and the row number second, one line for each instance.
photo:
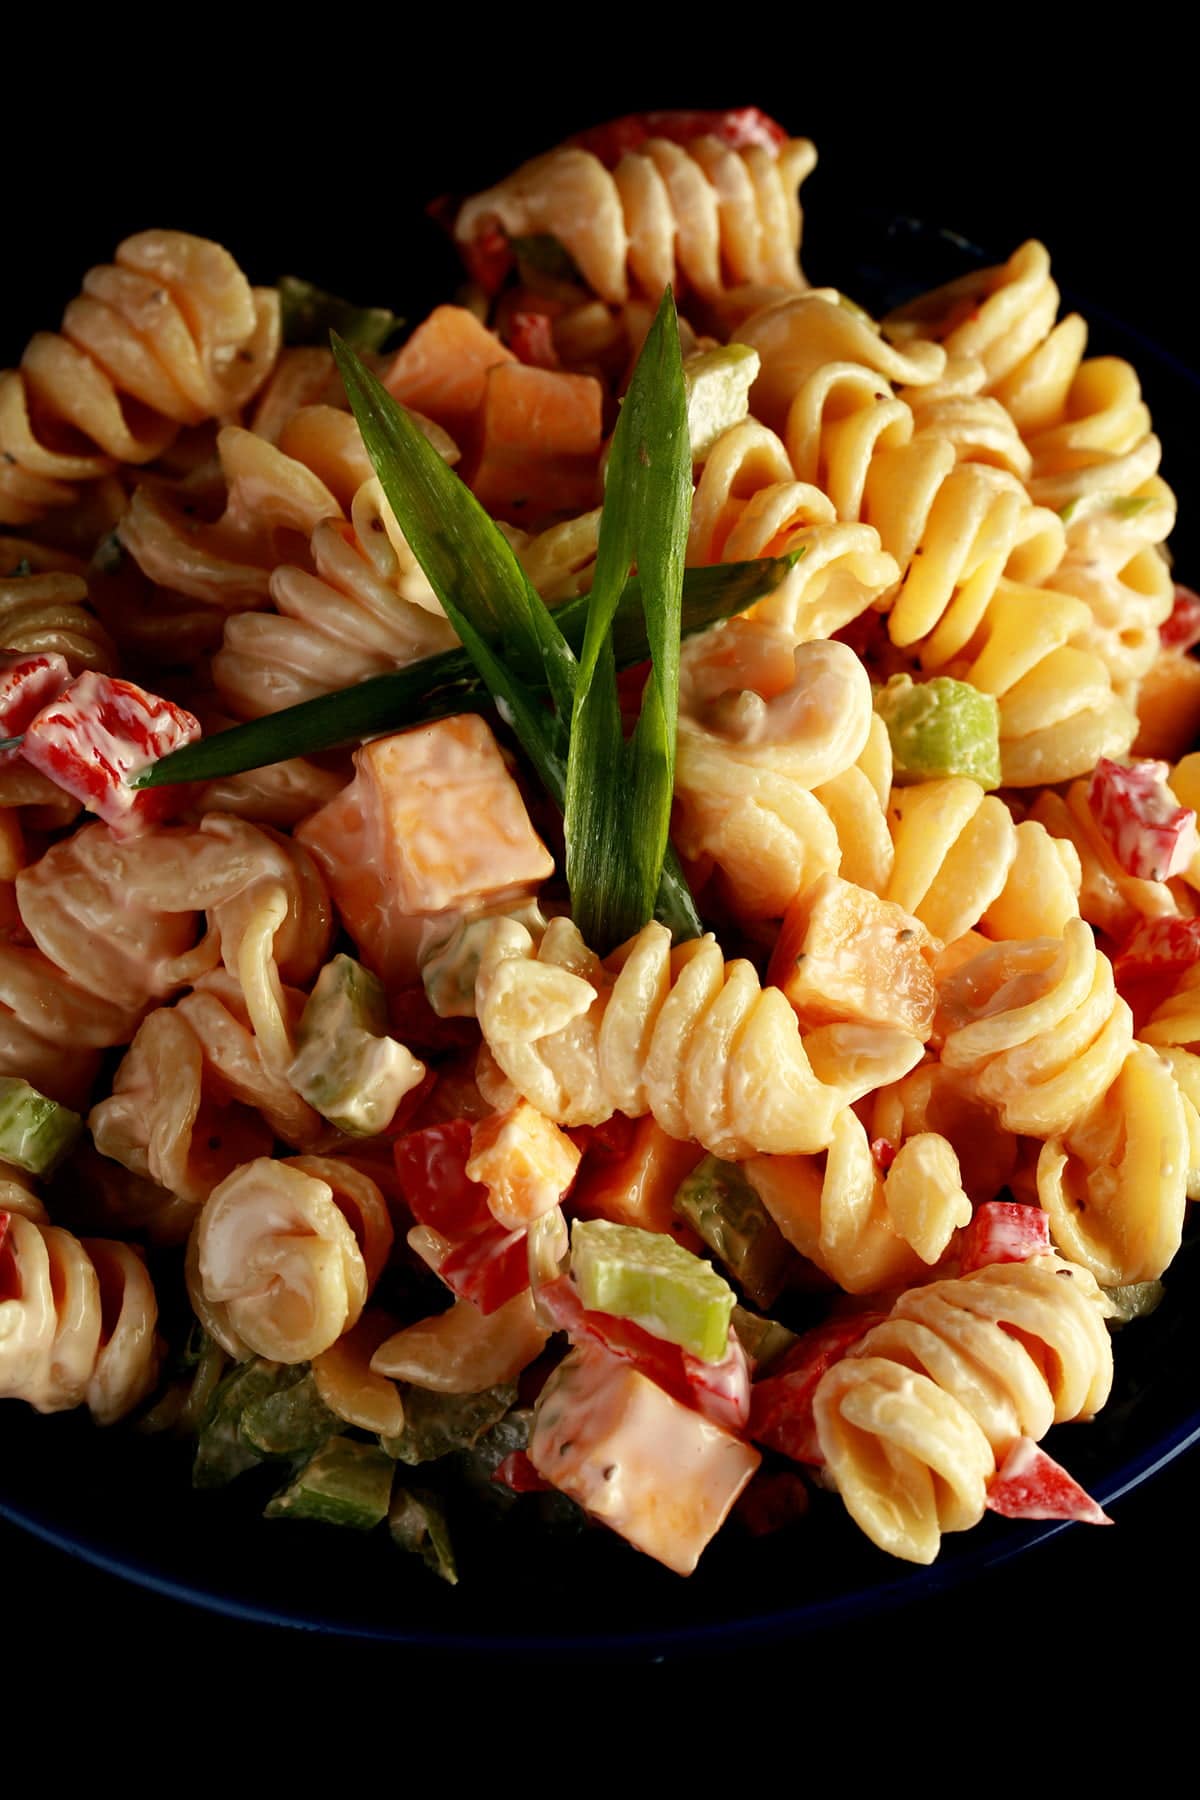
column 810, row 1071
column 913, row 1421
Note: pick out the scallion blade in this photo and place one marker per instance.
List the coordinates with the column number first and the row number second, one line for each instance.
column 308, row 314
column 12, row 743
column 618, row 803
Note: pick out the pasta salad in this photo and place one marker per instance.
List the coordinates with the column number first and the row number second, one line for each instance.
column 599, row 896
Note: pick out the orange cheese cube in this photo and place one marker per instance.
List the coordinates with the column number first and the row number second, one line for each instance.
column 845, row 956
column 431, row 824
column 442, row 369
column 538, row 436
column 525, row 1161
column 639, row 1188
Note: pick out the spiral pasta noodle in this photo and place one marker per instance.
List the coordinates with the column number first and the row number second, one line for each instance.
column 285, row 1255
column 77, row 1322
column 1109, row 897
column 49, row 613
column 679, row 1034
column 913, row 1421
column 699, row 215
column 171, row 324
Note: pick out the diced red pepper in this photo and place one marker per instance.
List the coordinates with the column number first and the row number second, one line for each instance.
column 432, row 1169
column 884, row 1152
column 531, row 338
column 738, row 127
column 518, row 1473
column 605, row 1142
column 1182, row 630
column 1003, row 1231
column 1030, row 1485
column 488, row 1267
column 5, row 1220
column 415, row 1023
column 720, row 1390
column 97, row 735
column 488, row 257
column 772, row 1502
column 27, row 684
column 1159, row 946
column 1149, row 833
column 781, row 1407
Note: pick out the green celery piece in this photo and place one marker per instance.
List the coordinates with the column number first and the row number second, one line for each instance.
column 649, row 1278
column 448, row 682
column 290, row 1422
column 436, row 1424
column 448, row 973
column 347, row 1066
column 309, row 314
column 718, row 392
column 1120, row 506
column 763, row 1340
column 35, row 1133
column 222, row 1453
column 1134, row 1300
column 209, row 1369
column 344, row 1482
column 720, row 1205
column 417, row 1523
column 941, row 727
column 618, row 801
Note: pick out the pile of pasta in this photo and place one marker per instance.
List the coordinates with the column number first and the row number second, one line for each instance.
column 929, row 1007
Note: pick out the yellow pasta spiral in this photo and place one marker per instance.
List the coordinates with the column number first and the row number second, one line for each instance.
column 913, row 1422
column 285, row 1255
column 1109, row 897
column 701, row 215
column 77, row 1322
column 681, row 1034
column 49, row 614
column 168, row 335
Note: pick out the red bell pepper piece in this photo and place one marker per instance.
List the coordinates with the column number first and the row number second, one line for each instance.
column 488, row 257
column 781, row 1407
column 531, row 339
column 721, row 1391
column 1002, row 1231
column 518, row 1473
column 5, row 1220
column 432, row 1169
column 772, row 1502
column 884, row 1152
column 27, row 684
column 738, row 127
column 1182, row 630
column 488, row 1267
column 606, row 1142
column 1030, row 1485
column 416, row 1024
column 99, row 733
column 1158, row 947
column 1149, row 833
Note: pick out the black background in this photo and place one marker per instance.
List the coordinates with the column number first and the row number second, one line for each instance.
column 310, row 148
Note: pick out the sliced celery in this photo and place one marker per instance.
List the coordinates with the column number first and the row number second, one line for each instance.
column 346, row 1066
column 648, row 1278
column 343, row 1483
column 941, row 727
column 35, row 1133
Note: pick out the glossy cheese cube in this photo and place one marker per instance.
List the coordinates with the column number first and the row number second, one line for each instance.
column 845, row 956
column 525, row 1161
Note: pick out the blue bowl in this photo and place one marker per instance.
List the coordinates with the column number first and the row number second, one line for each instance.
column 124, row 1503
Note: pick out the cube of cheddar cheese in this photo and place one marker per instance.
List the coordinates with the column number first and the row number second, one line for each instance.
column 432, row 824
column 525, row 1161
column 845, row 956
column 660, row 1475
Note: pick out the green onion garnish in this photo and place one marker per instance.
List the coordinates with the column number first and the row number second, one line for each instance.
column 308, row 314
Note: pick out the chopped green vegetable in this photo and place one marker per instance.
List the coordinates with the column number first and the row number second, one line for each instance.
column 292, row 1421
column 343, row 1483
column 448, row 972
column 109, row 555
column 542, row 254
column 222, row 1453
column 309, row 314
column 478, row 1465
column 1134, row 1300
column 11, row 743
column 721, row 1206
column 209, row 1368
column 718, row 392
column 347, row 1066
column 449, row 683
column 436, row 1424
column 1118, row 506
column 649, row 1278
column 35, row 1133
column 417, row 1522
column 941, row 727
column 617, row 812
column 763, row 1340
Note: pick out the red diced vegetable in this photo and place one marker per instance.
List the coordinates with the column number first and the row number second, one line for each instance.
column 738, row 127
column 1030, row 1485
column 1149, row 833
column 531, row 339
column 772, row 1502
column 488, row 1267
column 781, row 1407
column 884, row 1152
column 5, row 1220
column 518, row 1473
column 719, row 1390
column 100, row 732
column 432, row 1169
column 415, row 1023
column 606, row 1141
column 489, row 257
column 27, row 684
column 1159, row 946
column 1003, row 1232
column 1182, row 630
